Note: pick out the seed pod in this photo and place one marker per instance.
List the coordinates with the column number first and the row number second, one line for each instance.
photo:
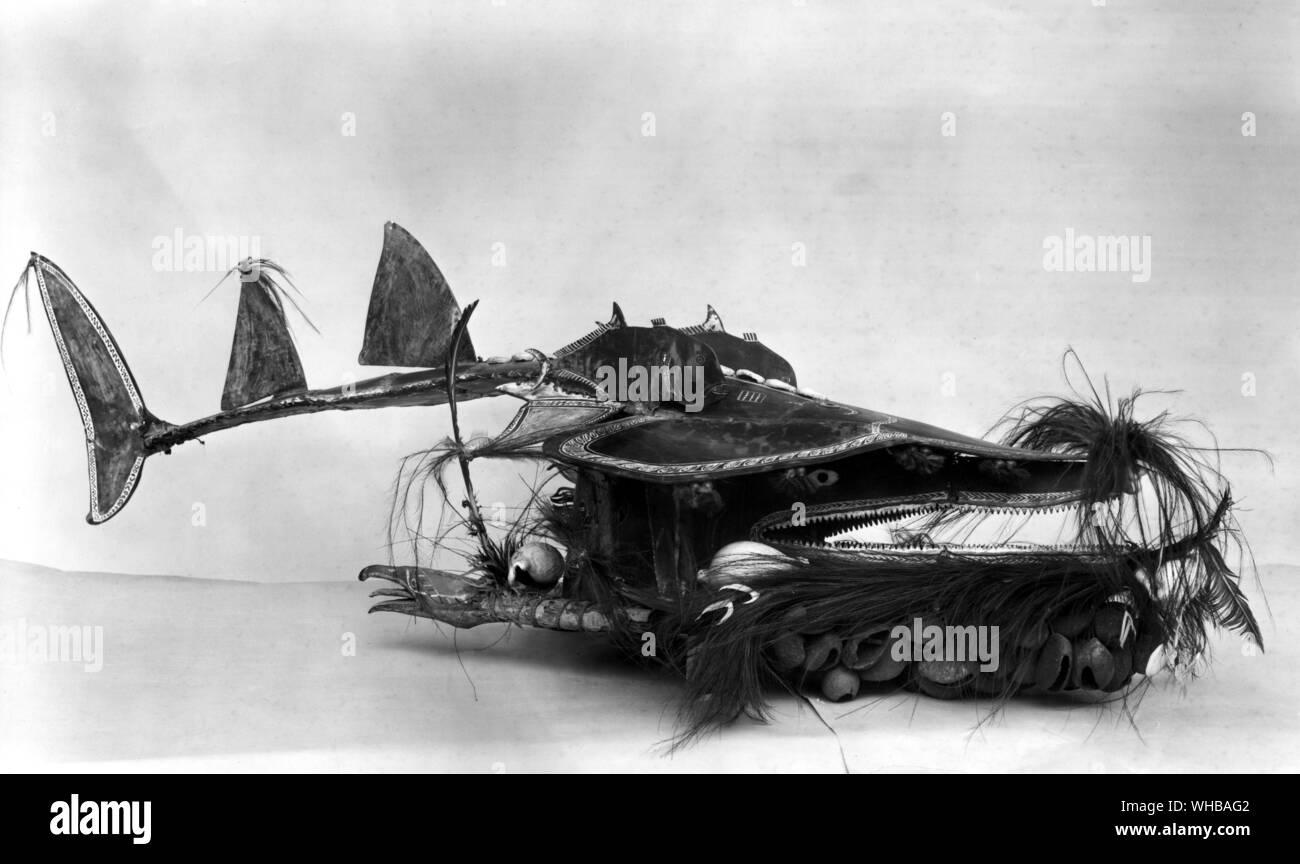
column 943, row 691
column 794, row 617
column 946, row 671
column 885, row 669
column 788, row 652
column 797, row 620
column 1052, row 671
column 821, row 653
column 865, row 649
column 1114, row 626
column 1094, row 665
column 1123, row 671
column 1071, row 623
column 840, row 684
column 1148, row 652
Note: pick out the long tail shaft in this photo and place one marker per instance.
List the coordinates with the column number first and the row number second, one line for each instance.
column 408, row 389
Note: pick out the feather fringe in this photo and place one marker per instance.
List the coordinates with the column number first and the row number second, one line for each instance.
column 728, row 663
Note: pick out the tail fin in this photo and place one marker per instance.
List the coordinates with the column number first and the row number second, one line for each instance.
column 112, row 410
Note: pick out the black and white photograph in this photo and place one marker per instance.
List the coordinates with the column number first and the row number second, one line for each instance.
column 558, row 386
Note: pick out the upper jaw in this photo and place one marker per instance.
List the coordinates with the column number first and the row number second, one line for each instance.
column 817, row 526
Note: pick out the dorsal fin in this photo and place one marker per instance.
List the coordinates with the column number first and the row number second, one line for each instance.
column 412, row 310
column 713, row 321
column 616, row 321
column 712, row 324
column 263, row 360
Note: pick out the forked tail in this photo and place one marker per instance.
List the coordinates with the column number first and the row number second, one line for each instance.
column 113, row 413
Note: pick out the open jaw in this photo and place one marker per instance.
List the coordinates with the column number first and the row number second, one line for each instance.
column 967, row 523
column 454, row 598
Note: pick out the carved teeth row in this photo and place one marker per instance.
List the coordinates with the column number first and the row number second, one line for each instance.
column 906, row 510
column 848, row 521
column 1080, row 548
column 869, row 517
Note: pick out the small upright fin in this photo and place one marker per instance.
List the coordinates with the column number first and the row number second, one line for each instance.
column 263, row 360
column 712, row 324
column 616, row 321
column 412, row 310
column 616, row 318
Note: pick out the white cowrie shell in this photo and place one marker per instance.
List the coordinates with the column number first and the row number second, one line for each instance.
column 741, row 559
column 540, row 563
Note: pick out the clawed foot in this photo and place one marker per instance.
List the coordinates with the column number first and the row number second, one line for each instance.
column 457, row 600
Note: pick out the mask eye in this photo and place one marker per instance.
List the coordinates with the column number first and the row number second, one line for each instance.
column 823, row 477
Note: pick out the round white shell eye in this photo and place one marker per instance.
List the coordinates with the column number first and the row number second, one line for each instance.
column 540, row 563
column 824, row 477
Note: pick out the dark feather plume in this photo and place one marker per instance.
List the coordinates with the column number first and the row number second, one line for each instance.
column 1148, row 487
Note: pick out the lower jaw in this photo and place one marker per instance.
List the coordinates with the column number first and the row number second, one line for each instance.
column 932, row 528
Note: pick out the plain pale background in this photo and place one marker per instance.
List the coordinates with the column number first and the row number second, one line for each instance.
column 521, row 124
